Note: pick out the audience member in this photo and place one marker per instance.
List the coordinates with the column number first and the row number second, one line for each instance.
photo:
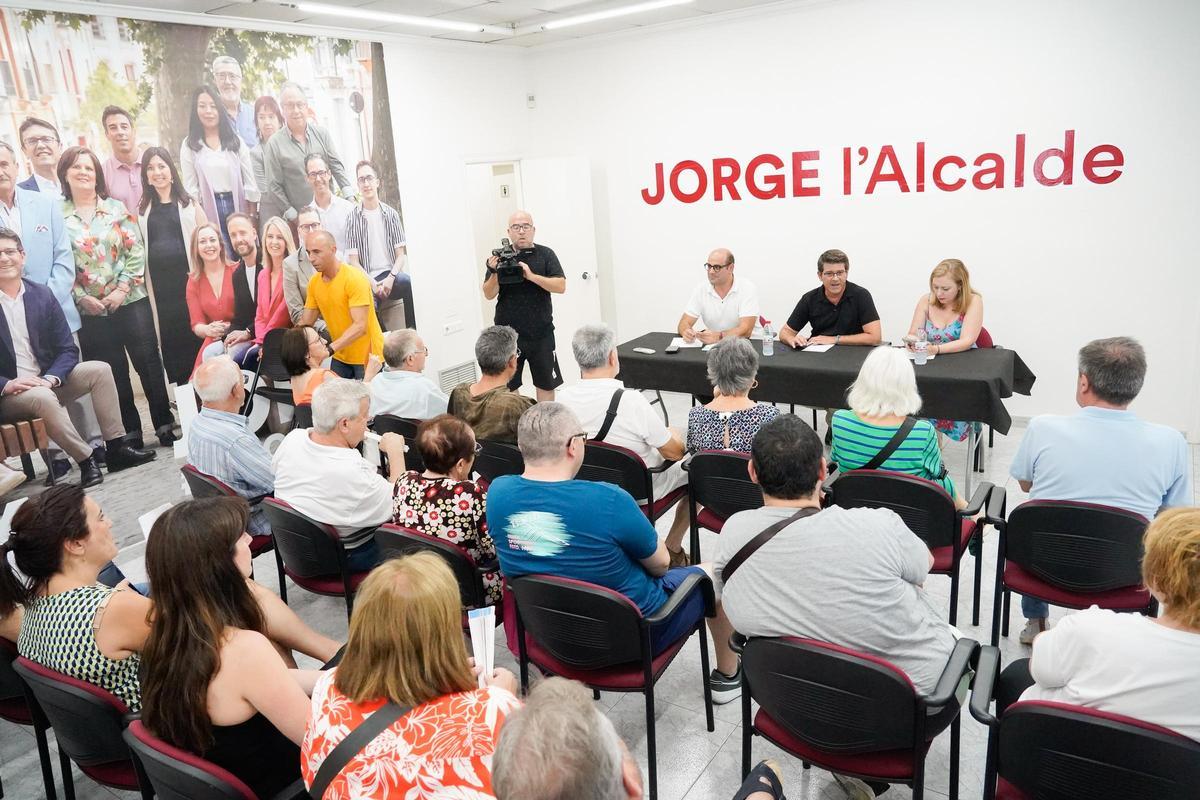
column 443, row 501
column 227, row 77
column 726, row 308
column 405, row 652
column 284, row 153
column 610, row 413
column 1102, row 454
column 341, row 295
column 488, row 405
column 297, row 269
column 123, row 169
column 376, row 232
column 1139, row 666
column 221, row 443
column 545, row 521
column 840, row 312
column 561, row 746
column 117, row 323
column 730, row 421
column 881, row 398
column 169, row 217
column 268, row 118
column 215, row 163
column 303, row 351
column 42, row 145
column 334, row 211
column 320, row 474
column 402, row 389
column 211, row 298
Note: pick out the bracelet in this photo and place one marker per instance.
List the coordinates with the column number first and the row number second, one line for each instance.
column 838, row 339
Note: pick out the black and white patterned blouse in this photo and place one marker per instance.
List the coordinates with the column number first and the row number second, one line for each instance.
column 707, row 428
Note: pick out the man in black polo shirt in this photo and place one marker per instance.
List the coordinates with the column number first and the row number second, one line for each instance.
column 839, row 311
column 526, row 306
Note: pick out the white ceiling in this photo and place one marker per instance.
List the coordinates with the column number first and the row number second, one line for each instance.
column 502, row 13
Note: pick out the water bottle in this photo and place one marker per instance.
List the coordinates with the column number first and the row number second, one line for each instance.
column 768, row 340
column 921, row 348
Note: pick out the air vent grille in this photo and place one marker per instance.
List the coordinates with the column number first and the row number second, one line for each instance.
column 450, row 377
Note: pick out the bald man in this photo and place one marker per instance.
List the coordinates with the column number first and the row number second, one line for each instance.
column 724, row 306
column 525, row 305
column 341, row 295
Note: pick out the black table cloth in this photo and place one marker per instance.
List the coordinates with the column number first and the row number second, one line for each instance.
column 969, row 386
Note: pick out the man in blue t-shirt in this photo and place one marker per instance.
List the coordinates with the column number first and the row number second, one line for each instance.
column 544, row 521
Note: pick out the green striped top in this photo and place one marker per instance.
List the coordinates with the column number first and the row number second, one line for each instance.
column 856, row 442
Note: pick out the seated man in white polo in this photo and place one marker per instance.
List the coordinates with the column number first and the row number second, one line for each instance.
column 634, row 426
column 725, row 306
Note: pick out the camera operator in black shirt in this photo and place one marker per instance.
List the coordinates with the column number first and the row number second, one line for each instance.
column 524, row 302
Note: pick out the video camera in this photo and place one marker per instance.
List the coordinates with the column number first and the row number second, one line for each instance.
column 508, row 270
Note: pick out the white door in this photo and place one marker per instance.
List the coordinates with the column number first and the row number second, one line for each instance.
column 495, row 193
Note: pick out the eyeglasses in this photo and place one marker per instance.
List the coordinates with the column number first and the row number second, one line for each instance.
column 226, row 75
column 716, row 267
column 10, row 252
column 478, row 448
column 37, row 141
column 317, row 174
column 841, row 273
column 367, row 180
column 583, row 435
column 521, row 227
column 518, row 353
column 423, row 351
column 309, row 226
column 296, row 106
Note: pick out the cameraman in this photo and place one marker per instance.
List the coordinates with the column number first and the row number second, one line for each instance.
column 525, row 306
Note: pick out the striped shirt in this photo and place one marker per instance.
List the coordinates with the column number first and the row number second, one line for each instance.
column 856, row 442
column 222, row 445
column 357, row 236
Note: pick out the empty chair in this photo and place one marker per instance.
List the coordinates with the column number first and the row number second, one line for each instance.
column 498, row 458
column 270, row 366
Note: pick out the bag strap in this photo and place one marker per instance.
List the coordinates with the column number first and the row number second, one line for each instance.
column 354, row 744
column 749, row 548
column 610, row 415
column 899, row 436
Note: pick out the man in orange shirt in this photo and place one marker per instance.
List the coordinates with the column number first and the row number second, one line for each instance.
column 341, row 295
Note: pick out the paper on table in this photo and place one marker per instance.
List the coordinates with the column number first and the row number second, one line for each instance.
column 679, row 342
column 146, row 521
column 817, row 348
column 483, row 640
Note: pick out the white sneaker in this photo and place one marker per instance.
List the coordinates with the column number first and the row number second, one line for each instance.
column 9, row 479
column 854, row 788
column 1032, row 628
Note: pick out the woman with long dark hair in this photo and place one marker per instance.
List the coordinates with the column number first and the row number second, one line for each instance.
column 169, row 216
column 216, row 162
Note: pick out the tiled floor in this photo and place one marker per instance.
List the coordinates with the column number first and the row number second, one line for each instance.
column 693, row 763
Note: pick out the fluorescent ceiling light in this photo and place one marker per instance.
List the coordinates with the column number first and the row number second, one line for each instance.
column 321, row 9
column 596, row 16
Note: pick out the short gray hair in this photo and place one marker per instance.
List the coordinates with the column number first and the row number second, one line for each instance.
column 398, row 346
column 592, row 345
column 886, row 385
column 494, row 347
column 558, row 746
column 215, row 378
column 8, row 147
column 337, row 399
column 292, row 85
column 221, row 61
column 732, row 365
column 543, row 431
column 1115, row 368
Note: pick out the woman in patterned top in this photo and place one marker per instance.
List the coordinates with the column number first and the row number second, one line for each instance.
column 443, row 501
column 730, row 421
column 406, row 647
column 110, row 277
column 61, row 540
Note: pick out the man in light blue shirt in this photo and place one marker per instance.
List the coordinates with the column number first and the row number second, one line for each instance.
column 1103, row 454
column 402, row 390
column 220, row 442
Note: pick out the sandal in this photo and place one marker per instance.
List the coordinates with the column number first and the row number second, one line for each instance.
column 679, row 558
column 763, row 778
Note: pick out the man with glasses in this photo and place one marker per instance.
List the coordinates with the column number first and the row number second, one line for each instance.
column 227, row 76
column 840, row 312
column 334, row 211
column 402, row 389
column 727, row 308
column 297, row 269
column 41, row 144
column 285, row 154
column 374, row 230
column 526, row 306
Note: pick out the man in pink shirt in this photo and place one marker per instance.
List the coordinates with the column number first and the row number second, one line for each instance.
column 123, row 170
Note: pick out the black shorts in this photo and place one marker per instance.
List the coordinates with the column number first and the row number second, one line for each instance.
column 543, row 364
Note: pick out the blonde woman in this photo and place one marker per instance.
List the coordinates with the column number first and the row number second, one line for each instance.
column 406, row 647
column 271, row 308
column 210, row 299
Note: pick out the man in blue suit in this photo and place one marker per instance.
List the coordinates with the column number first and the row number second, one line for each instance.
column 40, row 370
column 42, row 146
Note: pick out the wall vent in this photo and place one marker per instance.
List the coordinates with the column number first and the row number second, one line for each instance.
column 450, row 377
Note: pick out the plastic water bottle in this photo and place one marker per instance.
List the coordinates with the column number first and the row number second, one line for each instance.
column 921, row 348
column 768, row 340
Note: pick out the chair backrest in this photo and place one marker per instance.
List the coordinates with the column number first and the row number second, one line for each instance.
column 617, row 465
column 834, row 699
column 302, row 414
column 984, row 339
column 390, row 423
column 11, row 686
column 395, row 541
column 720, row 481
column 205, row 485
column 269, row 357
column 498, row 458
column 1055, row 750
column 925, row 507
column 1081, row 547
column 179, row 775
column 309, row 548
column 86, row 719
column 581, row 624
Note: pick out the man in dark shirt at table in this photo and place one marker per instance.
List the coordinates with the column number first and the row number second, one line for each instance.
column 839, row 311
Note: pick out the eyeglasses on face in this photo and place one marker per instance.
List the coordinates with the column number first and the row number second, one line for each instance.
column 478, row 448
column 520, row 227
column 309, row 226
column 35, row 141
column 367, row 180
column 840, row 273
column 582, row 435
column 317, row 174
column 11, row 252
column 715, row 267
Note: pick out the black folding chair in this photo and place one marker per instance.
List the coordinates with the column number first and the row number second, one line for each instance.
column 270, row 366
column 389, row 423
column 395, row 541
column 17, row 707
column 622, row 467
column 718, row 486
column 498, row 458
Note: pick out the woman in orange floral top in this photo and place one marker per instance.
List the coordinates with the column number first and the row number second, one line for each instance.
column 406, row 646
column 110, row 291
column 443, row 501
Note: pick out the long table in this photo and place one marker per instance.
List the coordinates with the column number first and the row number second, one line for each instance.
column 963, row 386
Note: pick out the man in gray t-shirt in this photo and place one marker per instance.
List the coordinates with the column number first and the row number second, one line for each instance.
column 851, row 577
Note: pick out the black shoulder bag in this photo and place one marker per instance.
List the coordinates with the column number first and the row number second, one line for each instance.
column 610, row 416
column 767, row 535
column 899, row 436
column 354, row 744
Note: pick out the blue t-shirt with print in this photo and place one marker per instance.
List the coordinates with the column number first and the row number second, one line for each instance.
column 585, row 530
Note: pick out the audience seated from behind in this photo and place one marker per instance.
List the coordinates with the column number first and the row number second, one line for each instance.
column 545, row 521
column 220, row 442
column 1103, row 453
column 319, row 473
column 488, row 406
column 730, row 421
column 406, row 648
column 881, row 397
column 402, row 389
column 213, row 682
column 561, row 746
column 443, row 501
column 1138, row 666
column 636, row 426
column 302, row 352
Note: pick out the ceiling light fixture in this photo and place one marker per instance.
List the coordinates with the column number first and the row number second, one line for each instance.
column 321, row 9
column 596, row 16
